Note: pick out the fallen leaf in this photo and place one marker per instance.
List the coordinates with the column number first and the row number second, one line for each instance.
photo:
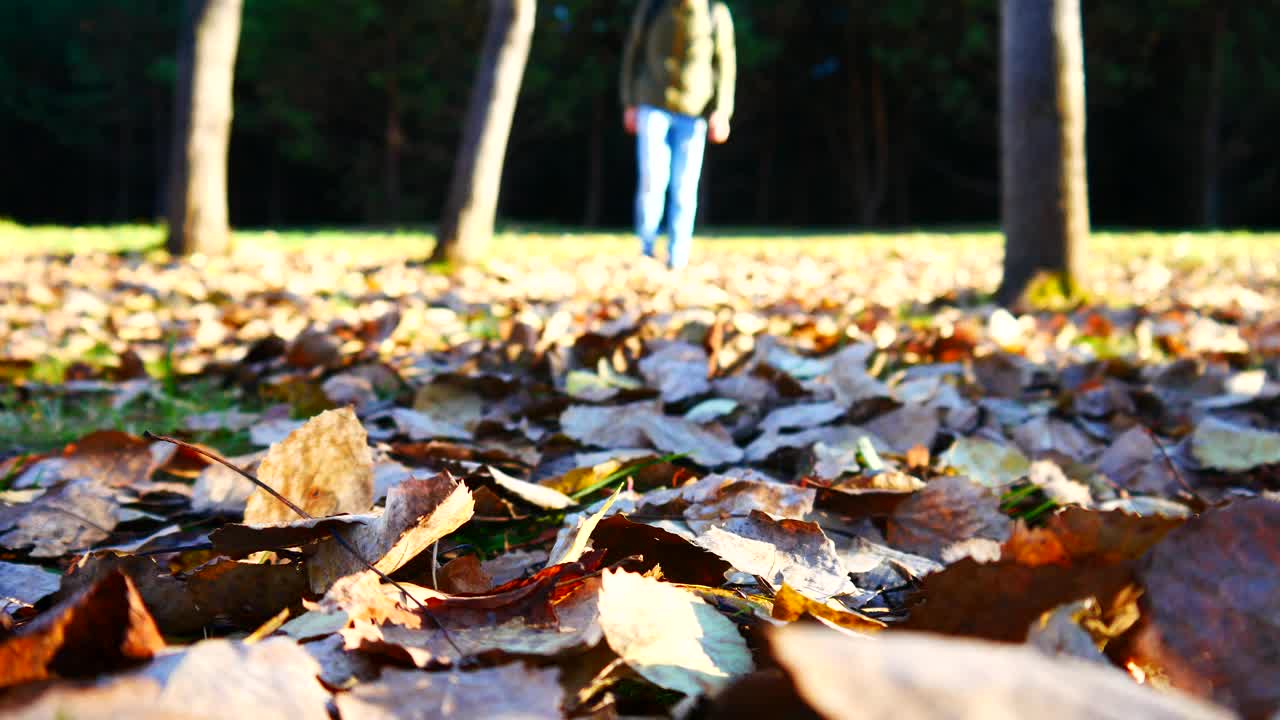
column 670, row 636
column 571, row 545
column 222, row 491
column 1226, row 446
column 507, row 692
column 678, row 370
column 273, row 680
column 987, row 462
column 801, row 417
column 25, row 585
column 1134, row 462
column 115, row 459
column 948, row 510
column 72, row 516
column 710, row 410
column 463, row 575
column 1078, row 554
column 849, row 377
column 909, row 676
column 418, row 513
column 793, row 552
column 240, row 594
column 910, row 425
column 324, row 467
column 643, row 424
column 680, row 560
column 537, row 495
column 789, row 606
column 1211, row 611
column 106, row 627
column 552, row 613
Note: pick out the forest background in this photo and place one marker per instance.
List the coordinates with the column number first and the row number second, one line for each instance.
column 850, row 114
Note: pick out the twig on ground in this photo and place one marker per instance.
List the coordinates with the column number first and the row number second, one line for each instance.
column 308, row 516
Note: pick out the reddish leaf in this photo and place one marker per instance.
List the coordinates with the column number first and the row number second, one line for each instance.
column 1211, row 613
column 103, row 628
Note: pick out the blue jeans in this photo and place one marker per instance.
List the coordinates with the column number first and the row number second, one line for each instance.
column 669, row 154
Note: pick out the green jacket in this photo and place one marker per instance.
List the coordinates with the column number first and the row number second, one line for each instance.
column 684, row 61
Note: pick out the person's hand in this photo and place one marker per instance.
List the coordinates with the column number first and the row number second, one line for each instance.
column 629, row 120
column 718, row 128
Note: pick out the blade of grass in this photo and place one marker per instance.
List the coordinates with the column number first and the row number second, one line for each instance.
column 623, row 474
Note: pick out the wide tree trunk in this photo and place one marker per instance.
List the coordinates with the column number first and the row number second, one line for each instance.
column 1044, row 195
column 467, row 221
column 197, row 197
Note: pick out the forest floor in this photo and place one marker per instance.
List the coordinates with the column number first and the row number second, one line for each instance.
column 808, row 473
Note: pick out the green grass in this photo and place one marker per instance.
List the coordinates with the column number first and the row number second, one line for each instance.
column 49, row 420
column 1181, row 249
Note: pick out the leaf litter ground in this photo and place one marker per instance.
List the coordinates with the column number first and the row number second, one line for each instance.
column 834, row 484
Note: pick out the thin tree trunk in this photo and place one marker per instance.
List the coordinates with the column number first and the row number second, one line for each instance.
column 207, row 47
column 466, row 224
column 1044, row 196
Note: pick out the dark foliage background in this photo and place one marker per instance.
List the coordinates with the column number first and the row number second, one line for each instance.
column 850, row 112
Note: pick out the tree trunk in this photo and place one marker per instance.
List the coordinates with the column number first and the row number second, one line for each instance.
column 1044, row 196
column 197, row 202
column 467, row 222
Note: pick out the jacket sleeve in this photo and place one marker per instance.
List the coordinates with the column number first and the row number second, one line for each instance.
column 726, row 61
column 627, row 82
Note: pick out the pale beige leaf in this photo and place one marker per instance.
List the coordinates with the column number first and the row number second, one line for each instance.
column 532, row 493
column 670, row 636
column 988, row 463
column 909, row 676
column 325, row 467
column 793, row 552
column 506, row 692
column 273, row 680
column 418, row 513
column 1221, row 445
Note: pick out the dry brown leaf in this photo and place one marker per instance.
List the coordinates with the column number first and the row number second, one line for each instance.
column 463, row 576
column 552, row 613
column 1134, row 462
column 24, row 585
column 106, row 627
column 642, row 424
column 948, row 510
column 537, row 495
column 678, row 370
column 418, row 513
column 670, row 636
column 680, row 560
column 506, row 692
column 325, row 467
column 793, row 552
column 220, row 591
column 801, row 417
column 272, row 680
column 1078, row 554
column 987, row 462
column 71, row 516
column 789, row 606
column 1211, row 611
column 115, row 459
column 909, row 676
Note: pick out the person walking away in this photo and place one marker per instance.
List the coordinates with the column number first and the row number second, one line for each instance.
column 678, row 74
